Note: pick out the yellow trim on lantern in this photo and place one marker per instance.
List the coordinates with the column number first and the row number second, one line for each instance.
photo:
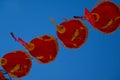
column 61, row 29
column 50, row 38
column 118, row 17
column 39, row 57
column 82, row 27
column 76, row 33
column 97, row 17
column 12, row 75
column 3, row 61
column 75, row 44
column 50, row 57
column 16, row 68
column 30, row 46
column 108, row 24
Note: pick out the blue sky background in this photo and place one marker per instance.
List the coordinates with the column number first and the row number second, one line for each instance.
column 97, row 59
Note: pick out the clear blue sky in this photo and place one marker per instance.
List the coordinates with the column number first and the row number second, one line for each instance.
column 97, row 59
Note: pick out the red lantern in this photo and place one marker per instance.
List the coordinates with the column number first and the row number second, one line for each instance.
column 105, row 17
column 2, row 77
column 17, row 63
column 73, row 33
column 44, row 48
